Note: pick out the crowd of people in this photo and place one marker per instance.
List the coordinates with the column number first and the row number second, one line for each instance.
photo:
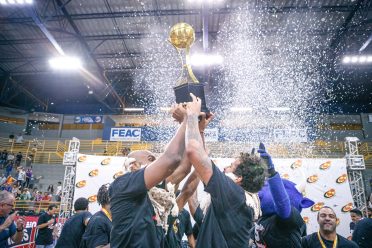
column 249, row 204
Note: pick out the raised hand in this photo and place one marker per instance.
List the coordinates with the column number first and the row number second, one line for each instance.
column 267, row 158
column 20, row 223
column 9, row 220
column 194, row 107
column 179, row 112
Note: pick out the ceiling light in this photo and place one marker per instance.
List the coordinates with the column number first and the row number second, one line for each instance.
column 362, row 59
column 3, row 2
column 11, row 2
column 280, row 109
column 346, row 60
column 134, row 109
column 90, row 92
column 354, row 59
column 20, row 1
column 65, row 63
column 241, row 109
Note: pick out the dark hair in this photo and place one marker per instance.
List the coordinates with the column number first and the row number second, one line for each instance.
column 81, row 204
column 51, row 206
column 103, row 196
column 317, row 217
column 252, row 172
column 357, row 212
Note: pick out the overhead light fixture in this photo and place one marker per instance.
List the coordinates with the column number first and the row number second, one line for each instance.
column 65, row 63
column 14, row 2
column 134, row 109
column 90, row 92
column 280, row 109
column 203, row 59
column 357, row 59
column 241, row 109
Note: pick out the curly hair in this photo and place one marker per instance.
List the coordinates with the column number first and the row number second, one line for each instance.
column 251, row 169
column 103, row 195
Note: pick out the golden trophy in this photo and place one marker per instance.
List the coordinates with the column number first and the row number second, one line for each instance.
column 182, row 36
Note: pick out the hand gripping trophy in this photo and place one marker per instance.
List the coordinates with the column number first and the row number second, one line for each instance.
column 182, row 36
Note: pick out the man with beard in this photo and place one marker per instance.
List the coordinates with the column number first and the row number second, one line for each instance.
column 228, row 219
column 326, row 237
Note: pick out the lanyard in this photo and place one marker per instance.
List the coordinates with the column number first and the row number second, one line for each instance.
column 108, row 215
column 322, row 243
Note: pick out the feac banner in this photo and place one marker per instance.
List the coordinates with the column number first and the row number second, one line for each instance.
column 325, row 180
column 125, row 134
column 88, row 119
column 211, row 134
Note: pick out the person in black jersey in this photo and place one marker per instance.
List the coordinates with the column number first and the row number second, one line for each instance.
column 74, row 227
column 228, row 219
column 326, row 237
column 281, row 224
column 97, row 232
column 132, row 210
column 362, row 234
column 45, row 225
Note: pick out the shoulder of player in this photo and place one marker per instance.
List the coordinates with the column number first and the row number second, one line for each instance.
column 349, row 243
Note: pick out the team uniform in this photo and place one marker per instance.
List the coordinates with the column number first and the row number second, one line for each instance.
column 273, row 231
column 73, row 230
column 178, row 226
column 362, row 234
column 228, row 218
column 98, row 231
column 134, row 224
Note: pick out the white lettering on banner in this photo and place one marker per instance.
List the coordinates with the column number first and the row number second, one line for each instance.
column 293, row 135
column 125, row 134
column 211, row 134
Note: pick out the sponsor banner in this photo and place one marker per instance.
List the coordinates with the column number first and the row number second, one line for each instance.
column 125, row 134
column 325, row 181
column 211, row 134
column 264, row 135
column 88, row 119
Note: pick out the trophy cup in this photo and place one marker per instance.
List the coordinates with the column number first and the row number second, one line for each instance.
column 182, row 36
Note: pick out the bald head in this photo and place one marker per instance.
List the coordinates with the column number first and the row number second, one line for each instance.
column 5, row 196
column 142, row 156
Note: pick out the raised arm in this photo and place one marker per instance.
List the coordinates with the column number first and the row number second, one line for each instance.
column 194, row 143
column 163, row 167
column 278, row 192
column 188, row 190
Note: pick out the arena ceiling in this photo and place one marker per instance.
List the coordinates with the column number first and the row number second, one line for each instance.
column 123, row 44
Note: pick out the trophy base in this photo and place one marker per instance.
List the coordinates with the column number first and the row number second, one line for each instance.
column 183, row 91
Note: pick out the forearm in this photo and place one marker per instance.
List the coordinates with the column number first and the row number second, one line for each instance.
column 280, row 196
column 181, row 172
column 191, row 240
column 17, row 237
column 176, row 147
column 188, row 189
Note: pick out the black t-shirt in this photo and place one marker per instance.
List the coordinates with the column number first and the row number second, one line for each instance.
column 362, row 234
column 132, row 213
column 272, row 231
column 6, row 233
column 198, row 216
column 178, row 226
column 312, row 241
column 228, row 218
column 97, row 232
column 73, row 230
column 45, row 235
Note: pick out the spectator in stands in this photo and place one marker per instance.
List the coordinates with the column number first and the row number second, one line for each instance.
column 58, row 192
column 98, row 230
column 74, row 228
column 2, row 179
column 29, row 161
column 369, row 212
column 3, row 158
column 125, row 151
column 45, row 224
column 38, row 196
column 46, row 197
column 326, row 236
column 11, row 137
column 9, row 168
column 18, row 159
column 9, row 228
column 50, row 189
column 356, row 215
column 10, row 158
column 21, row 178
column 28, row 177
column 362, row 234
